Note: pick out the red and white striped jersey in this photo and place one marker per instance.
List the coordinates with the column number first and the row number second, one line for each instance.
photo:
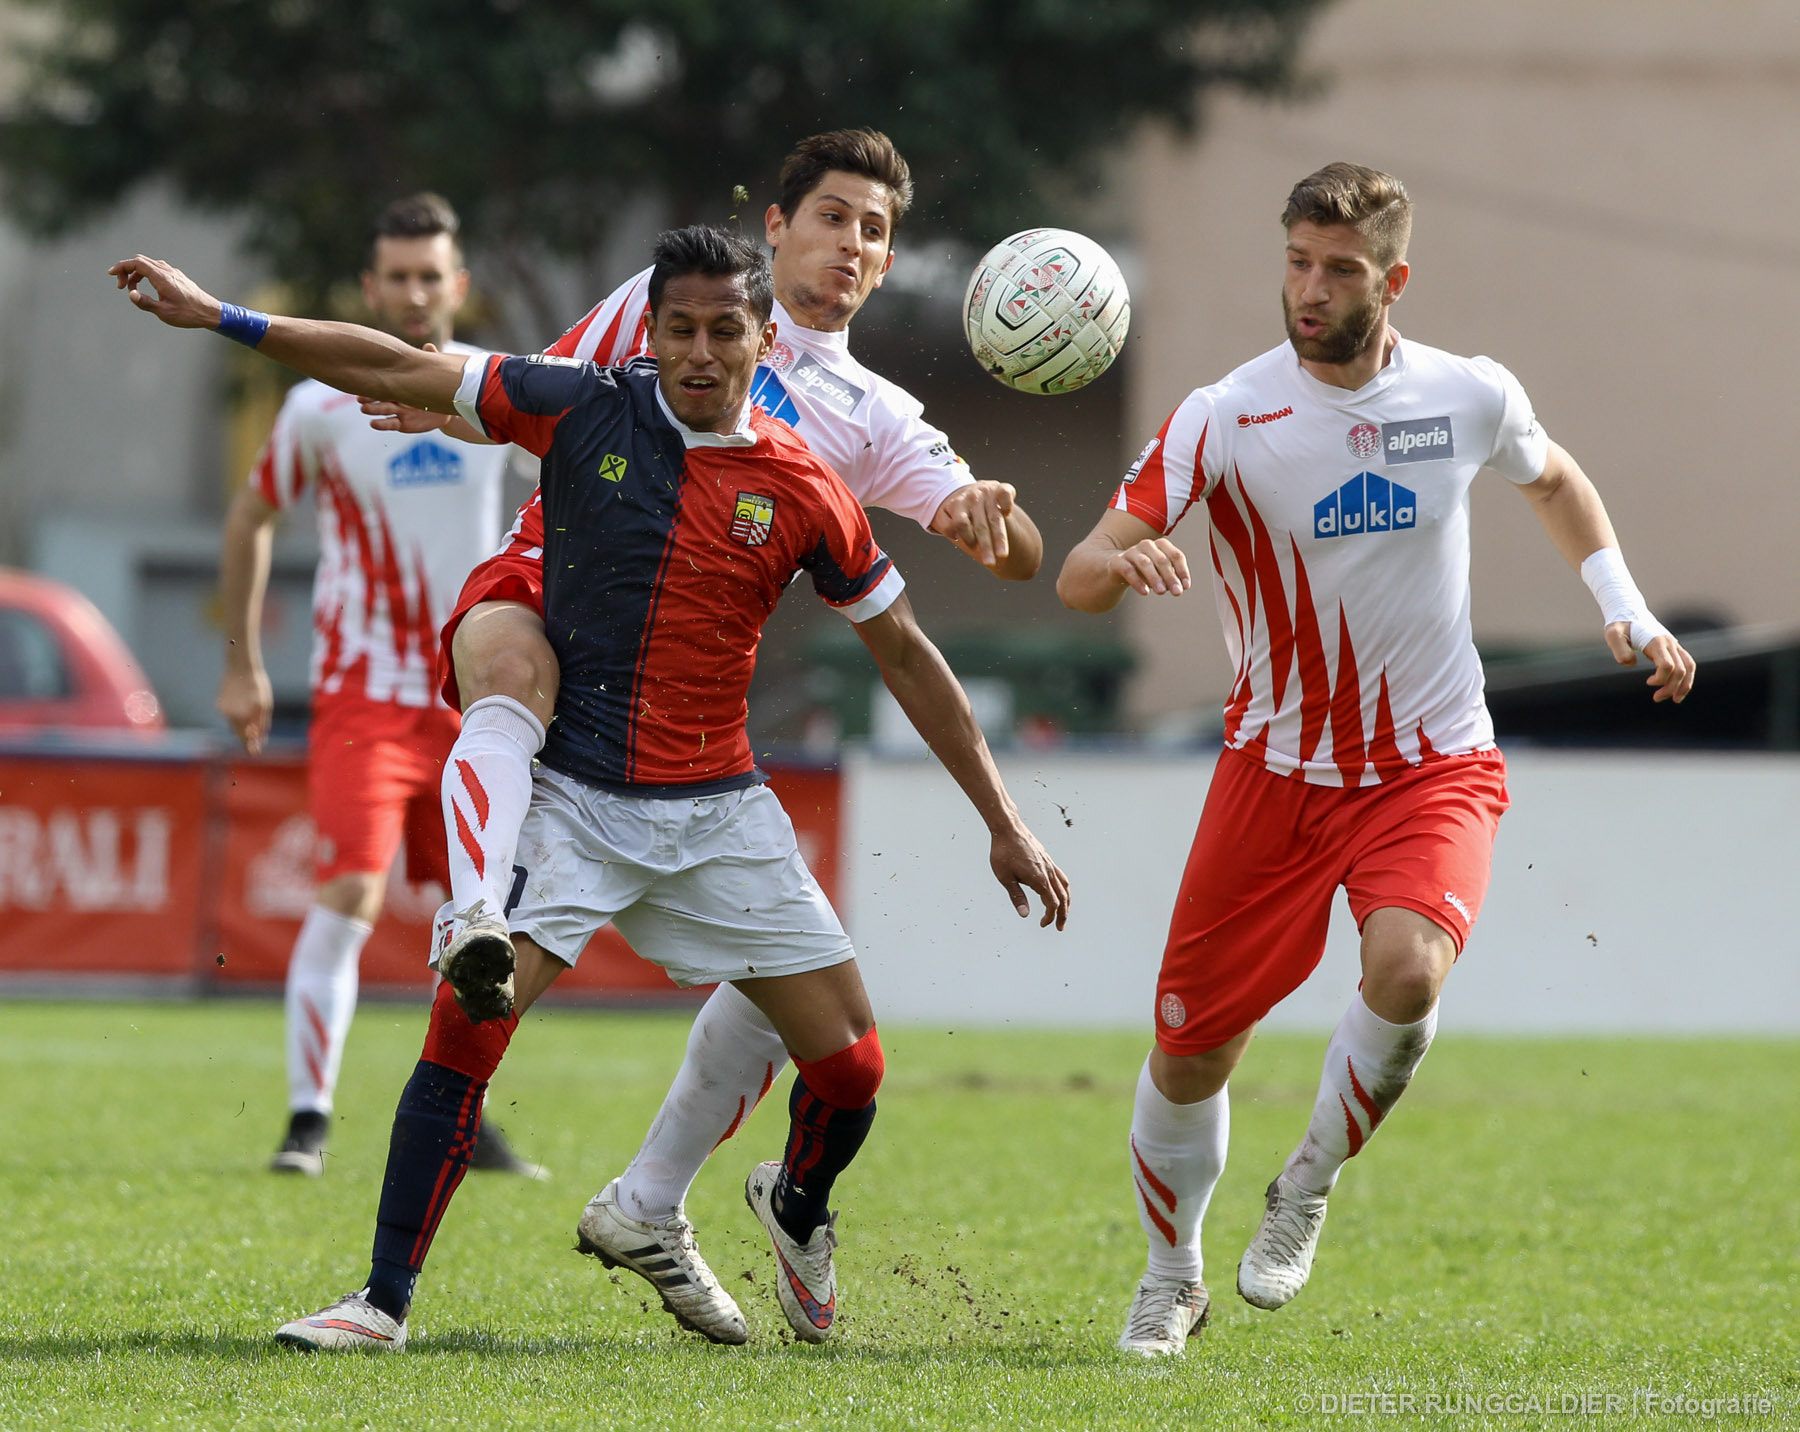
column 1338, row 536
column 871, row 432
column 402, row 520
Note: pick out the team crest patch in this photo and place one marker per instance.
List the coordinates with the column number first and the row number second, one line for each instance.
column 612, row 467
column 1172, row 1010
column 781, row 357
column 1364, row 441
column 752, row 518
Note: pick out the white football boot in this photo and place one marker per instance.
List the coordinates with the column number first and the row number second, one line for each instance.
column 665, row 1255
column 1279, row 1259
column 351, row 1324
column 1162, row 1315
column 475, row 957
column 807, row 1283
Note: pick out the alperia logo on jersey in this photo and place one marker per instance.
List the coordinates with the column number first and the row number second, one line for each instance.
column 612, row 467
column 425, row 464
column 841, row 393
column 1418, row 440
column 1366, row 503
column 751, row 518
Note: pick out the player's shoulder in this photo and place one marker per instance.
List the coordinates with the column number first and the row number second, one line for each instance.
column 1263, row 382
column 783, row 452
column 1426, row 363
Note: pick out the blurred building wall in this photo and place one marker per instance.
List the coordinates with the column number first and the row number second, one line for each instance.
column 1603, row 203
column 1606, row 913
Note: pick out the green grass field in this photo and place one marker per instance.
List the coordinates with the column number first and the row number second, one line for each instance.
column 1541, row 1219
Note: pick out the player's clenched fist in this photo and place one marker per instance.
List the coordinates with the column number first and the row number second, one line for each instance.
column 974, row 518
column 1675, row 669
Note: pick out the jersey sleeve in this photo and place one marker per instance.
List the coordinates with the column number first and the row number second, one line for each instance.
column 909, row 467
column 1521, row 446
column 847, row 569
column 288, row 461
column 613, row 330
column 1176, row 468
column 521, row 400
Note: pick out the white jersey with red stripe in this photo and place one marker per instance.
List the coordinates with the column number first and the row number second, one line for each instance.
column 871, row 432
column 402, row 520
column 1338, row 536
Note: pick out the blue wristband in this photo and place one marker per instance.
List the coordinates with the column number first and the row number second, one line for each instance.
column 242, row 325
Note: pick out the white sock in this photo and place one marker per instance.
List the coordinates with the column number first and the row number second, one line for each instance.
column 321, row 999
column 733, row 1056
column 1368, row 1065
column 1177, row 1155
column 486, row 789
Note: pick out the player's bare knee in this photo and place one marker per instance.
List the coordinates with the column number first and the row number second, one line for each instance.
column 1402, row 989
column 1190, row 1078
column 504, row 652
column 356, row 894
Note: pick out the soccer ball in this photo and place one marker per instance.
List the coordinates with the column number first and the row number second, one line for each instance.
column 1046, row 311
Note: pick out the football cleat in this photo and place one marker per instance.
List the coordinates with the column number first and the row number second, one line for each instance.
column 351, row 1324
column 493, row 1154
column 666, row 1256
column 303, row 1150
column 1279, row 1259
column 475, row 957
column 1163, row 1313
column 807, row 1283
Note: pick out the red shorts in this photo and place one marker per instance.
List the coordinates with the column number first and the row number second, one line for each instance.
column 372, row 776
column 1255, row 899
column 505, row 577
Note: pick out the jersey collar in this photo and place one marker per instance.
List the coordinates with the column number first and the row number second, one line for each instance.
column 1391, row 373
column 742, row 436
column 790, row 328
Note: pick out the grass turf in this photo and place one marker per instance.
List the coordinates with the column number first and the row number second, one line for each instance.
column 1542, row 1221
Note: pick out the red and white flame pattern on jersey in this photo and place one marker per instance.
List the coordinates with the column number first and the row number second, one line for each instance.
column 393, row 553
column 1353, row 652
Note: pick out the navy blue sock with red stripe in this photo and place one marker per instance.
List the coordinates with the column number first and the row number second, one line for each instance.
column 433, row 1138
column 822, row 1140
column 428, row 1154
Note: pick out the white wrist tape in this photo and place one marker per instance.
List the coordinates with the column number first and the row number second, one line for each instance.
column 1609, row 580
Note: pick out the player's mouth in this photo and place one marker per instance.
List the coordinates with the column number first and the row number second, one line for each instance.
column 1310, row 327
column 698, row 384
column 847, row 270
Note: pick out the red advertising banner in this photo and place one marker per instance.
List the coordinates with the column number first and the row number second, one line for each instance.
column 101, row 864
column 202, row 868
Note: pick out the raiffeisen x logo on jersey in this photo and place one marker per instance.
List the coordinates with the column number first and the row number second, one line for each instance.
column 1366, row 503
column 751, row 518
column 771, row 395
column 612, row 467
column 425, row 464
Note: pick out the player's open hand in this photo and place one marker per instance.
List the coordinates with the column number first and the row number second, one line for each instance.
column 1020, row 863
column 974, row 518
column 398, row 418
column 247, row 701
column 1674, row 674
column 1155, row 566
column 172, row 296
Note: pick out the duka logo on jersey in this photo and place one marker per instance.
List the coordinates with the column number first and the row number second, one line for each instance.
column 425, row 464
column 1366, row 503
column 752, row 518
column 1419, row 440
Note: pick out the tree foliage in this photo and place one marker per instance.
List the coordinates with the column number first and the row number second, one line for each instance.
column 538, row 120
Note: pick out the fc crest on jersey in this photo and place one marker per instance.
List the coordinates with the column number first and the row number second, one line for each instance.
column 752, row 518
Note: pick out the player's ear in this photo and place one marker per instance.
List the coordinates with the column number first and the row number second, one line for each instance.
column 768, row 340
column 459, row 288
column 369, row 290
column 650, row 332
column 774, row 225
column 886, row 264
column 1396, row 280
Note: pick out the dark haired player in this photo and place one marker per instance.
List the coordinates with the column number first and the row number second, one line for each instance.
column 1332, row 479
column 402, row 519
column 842, row 194
column 675, row 516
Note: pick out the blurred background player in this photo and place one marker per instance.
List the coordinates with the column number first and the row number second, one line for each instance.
column 1334, row 475
column 842, row 194
column 402, row 519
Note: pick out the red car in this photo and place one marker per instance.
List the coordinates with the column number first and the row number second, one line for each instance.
column 63, row 666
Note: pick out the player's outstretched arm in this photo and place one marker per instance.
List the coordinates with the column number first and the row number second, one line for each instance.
column 986, row 521
column 933, row 700
column 1574, row 517
column 1123, row 553
column 345, row 356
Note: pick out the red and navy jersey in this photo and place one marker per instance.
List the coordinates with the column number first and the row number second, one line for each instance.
column 665, row 552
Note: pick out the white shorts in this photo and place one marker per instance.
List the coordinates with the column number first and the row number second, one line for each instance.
column 711, row 888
